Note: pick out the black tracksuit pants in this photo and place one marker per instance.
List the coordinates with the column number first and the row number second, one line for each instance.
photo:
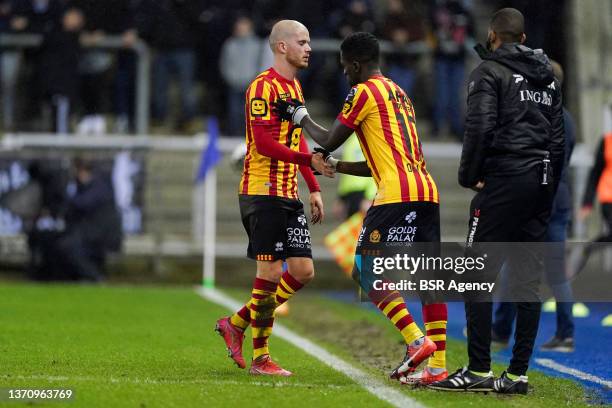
column 514, row 209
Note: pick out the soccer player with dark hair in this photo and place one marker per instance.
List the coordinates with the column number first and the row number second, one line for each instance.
column 513, row 154
column 382, row 116
column 271, row 211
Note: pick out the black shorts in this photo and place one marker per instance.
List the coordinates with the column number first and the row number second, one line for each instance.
column 387, row 224
column 277, row 227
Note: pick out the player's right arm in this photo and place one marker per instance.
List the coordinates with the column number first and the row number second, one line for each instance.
column 329, row 139
column 355, row 109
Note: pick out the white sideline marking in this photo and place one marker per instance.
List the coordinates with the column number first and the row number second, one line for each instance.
column 371, row 384
column 573, row 372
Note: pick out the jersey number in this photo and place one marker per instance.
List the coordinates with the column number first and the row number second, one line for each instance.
column 400, row 102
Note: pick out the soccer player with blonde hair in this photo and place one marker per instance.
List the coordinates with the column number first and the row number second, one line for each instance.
column 271, row 211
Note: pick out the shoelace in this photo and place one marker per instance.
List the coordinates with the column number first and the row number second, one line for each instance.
column 459, row 371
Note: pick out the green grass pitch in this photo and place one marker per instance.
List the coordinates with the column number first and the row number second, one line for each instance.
column 155, row 347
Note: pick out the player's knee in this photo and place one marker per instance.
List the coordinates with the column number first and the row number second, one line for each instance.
column 270, row 271
column 305, row 275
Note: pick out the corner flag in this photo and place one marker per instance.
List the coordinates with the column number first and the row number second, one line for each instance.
column 211, row 153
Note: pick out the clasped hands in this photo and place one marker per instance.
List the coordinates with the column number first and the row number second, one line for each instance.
column 323, row 162
column 294, row 111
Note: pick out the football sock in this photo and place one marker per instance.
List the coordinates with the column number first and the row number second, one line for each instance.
column 392, row 305
column 435, row 370
column 418, row 342
column 263, row 303
column 287, row 287
column 242, row 318
column 480, row 373
column 513, row 377
column 435, row 317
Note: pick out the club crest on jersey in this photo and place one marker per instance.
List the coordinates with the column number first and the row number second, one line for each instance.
column 284, row 96
column 375, row 237
column 351, row 95
column 259, row 107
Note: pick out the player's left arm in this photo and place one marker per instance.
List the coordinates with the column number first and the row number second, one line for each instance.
column 360, row 169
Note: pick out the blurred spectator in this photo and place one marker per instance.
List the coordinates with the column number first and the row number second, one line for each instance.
column 58, row 68
column 169, row 26
column 544, row 21
column 93, row 224
column 110, row 17
column 452, row 26
column 350, row 17
column 313, row 14
column 402, row 25
column 124, row 81
column 240, row 62
column 599, row 186
column 26, row 16
column 266, row 13
column 9, row 62
column 46, row 225
column 357, row 16
column 36, row 16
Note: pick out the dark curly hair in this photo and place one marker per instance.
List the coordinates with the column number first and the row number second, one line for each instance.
column 361, row 47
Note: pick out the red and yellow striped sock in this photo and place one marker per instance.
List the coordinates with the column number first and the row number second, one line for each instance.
column 435, row 317
column 262, row 307
column 393, row 306
column 286, row 288
column 242, row 318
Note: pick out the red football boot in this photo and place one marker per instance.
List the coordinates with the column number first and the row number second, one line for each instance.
column 263, row 365
column 233, row 338
column 423, row 377
column 414, row 357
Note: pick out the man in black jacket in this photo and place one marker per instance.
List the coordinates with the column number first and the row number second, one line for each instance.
column 513, row 151
column 93, row 224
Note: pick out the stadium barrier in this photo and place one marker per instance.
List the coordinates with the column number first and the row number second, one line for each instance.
column 165, row 216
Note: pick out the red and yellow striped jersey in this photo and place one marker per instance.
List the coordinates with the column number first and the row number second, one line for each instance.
column 383, row 118
column 263, row 175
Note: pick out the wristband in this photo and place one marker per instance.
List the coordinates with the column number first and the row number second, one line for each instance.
column 299, row 114
column 332, row 161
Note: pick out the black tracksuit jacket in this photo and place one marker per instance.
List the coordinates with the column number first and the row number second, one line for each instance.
column 514, row 116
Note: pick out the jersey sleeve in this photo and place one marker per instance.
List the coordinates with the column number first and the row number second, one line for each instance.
column 306, row 171
column 356, row 107
column 259, row 98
